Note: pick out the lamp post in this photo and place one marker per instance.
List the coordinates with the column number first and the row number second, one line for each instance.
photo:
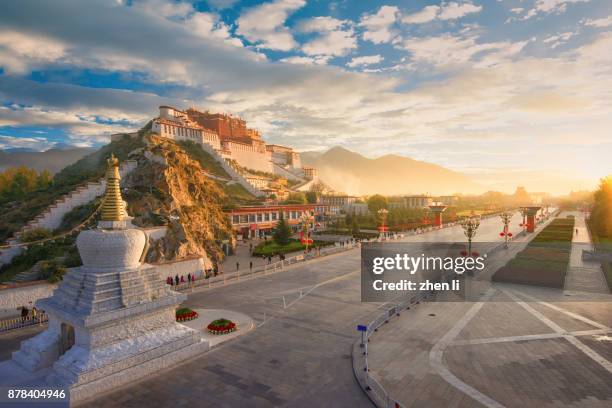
column 506, row 217
column 306, row 219
column 383, row 220
column 470, row 226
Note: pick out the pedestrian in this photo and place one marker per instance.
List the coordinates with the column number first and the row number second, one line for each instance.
column 576, row 231
column 182, row 278
column 251, row 266
column 176, row 279
column 34, row 313
column 269, row 259
column 189, row 277
column 24, row 313
column 237, row 266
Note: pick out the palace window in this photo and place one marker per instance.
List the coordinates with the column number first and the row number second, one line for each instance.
column 235, row 219
column 259, row 217
column 251, row 217
column 274, row 216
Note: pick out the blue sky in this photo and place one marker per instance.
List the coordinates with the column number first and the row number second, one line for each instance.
column 511, row 91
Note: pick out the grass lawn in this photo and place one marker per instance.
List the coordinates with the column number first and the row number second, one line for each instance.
column 544, row 261
column 272, row 248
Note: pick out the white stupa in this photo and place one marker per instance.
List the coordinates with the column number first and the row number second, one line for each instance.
column 111, row 320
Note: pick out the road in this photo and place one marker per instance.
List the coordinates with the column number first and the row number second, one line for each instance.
column 299, row 355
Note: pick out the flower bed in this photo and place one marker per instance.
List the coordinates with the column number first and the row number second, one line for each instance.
column 222, row 326
column 184, row 314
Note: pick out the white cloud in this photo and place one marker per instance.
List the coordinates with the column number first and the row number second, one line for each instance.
column 446, row 11
column 364, row 60
column 550, row 6
column 448, row 50
column 34, row 143
column 378, row 26
column 335, row 38
column 558, row 39
column 517, row 10
column 319, row 60
column 20, row 51
column 600, row 22
column 265, row 24
column 222, row 4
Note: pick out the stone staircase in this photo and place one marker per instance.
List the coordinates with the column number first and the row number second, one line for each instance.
column 52, row 217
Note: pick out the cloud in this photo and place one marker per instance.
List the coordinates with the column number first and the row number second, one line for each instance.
column 20, row 51
column 221, row 4
column 377, row 26
column 335, row 38
column 445, row 11
column 264, row 24
column 34, row 143
column 599, row 23
column 364, row 61
column 452, row 50
column 550, row 7
column 558, row 39
column 319, row 60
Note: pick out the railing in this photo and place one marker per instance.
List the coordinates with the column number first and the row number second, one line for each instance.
column 375, row 391
column 19, row 322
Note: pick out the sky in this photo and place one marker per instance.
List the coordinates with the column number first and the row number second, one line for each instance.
column 507, row 91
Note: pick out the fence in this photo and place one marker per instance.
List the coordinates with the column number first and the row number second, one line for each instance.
column 374, row 390
column 19, row 322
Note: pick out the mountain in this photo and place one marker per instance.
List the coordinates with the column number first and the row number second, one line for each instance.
column 391, row 174
column 52, row 160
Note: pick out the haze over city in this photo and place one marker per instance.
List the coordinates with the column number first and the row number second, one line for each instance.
column 507, row 92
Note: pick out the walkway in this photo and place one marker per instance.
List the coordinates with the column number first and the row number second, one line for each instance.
column 583, row 276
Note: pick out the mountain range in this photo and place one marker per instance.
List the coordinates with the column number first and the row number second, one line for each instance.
column 352, row 173
column 52, row 160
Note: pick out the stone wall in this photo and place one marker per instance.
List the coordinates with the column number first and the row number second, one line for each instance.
column 20, row 294
column 195, row 266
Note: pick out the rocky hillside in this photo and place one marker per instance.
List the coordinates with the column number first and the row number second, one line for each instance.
column 170, row 188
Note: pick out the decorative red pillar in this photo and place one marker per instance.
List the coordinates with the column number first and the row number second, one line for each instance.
column 530, row 213
column 437, row 211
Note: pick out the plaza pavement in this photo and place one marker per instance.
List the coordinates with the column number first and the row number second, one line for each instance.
column 299, row 353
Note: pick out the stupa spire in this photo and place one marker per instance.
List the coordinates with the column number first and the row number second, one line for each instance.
column 112, row 208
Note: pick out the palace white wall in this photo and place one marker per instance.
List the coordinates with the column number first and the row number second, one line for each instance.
column 21, row 295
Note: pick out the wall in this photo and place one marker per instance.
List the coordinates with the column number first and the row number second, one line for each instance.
column 195, row 266
column 17, row 295
column 250, row 157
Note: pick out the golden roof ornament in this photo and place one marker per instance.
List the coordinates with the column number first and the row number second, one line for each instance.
column 112, row 208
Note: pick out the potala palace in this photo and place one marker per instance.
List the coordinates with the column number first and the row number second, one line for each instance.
column 230, row 137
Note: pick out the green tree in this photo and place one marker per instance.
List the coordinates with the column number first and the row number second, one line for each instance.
column 601, row 215
column 312, row 197
column 355, row 226
column 376, row 202
column 296, row 198
column 282, row 232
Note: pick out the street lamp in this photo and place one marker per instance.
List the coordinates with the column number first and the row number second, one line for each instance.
column 383, row 219
column 506, row 217
column 470, row 225
column 306, row 219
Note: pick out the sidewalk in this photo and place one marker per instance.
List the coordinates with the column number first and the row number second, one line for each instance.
column 583, row 276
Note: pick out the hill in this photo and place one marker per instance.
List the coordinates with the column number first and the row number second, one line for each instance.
column 52, row 160
column 391, row 174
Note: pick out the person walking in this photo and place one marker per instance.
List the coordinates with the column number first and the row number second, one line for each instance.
column 24, row 313
column 189, row 277
column 176, row 279
column 34, row 314
column 237, row 266
column 251, row 266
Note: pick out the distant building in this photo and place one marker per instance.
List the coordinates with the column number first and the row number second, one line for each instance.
column 339, row 200
column 310, row 173
column 448, row 200
column 229, row 136
column 418, row 201
column 259, row 220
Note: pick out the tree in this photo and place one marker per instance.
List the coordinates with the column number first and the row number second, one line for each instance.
column 376, row 202
column 282, row 232
column 312, row 197
column 601, row 215
column 296, row 198
column 355, row 226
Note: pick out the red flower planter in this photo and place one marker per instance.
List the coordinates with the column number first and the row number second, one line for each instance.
column 183, row 317
column 221, row 326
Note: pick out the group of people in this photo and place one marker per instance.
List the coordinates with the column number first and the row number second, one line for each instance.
column 178, row 280
column 34, row 313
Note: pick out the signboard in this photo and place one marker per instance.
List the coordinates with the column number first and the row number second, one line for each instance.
column 362, row 328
